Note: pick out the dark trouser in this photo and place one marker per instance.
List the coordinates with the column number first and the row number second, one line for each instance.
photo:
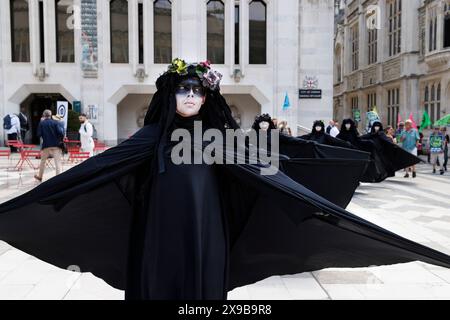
column 445, row 157
column 12, row 136
column 22, row 135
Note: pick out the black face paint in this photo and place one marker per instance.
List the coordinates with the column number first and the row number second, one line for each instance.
column 185, row 87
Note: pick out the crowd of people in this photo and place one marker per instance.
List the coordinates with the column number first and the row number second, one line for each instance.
column 436, row 147
column 51, row 131
column 162, row 230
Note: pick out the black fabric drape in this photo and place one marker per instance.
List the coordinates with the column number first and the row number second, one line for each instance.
column 91, row 216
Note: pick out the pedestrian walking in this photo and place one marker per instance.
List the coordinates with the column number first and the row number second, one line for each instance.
column 52, row 134
column 11, row 125
column 436, row 148
column 410, row 140
column 24, row 124
column 86, row 132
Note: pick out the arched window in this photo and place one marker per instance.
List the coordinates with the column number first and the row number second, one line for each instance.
column 119, row 30
column 447, row 25
column 338, row 64
column 258, row 32
column 64, row 31
column 20, row 31
column 216, row 31
column 162, row 24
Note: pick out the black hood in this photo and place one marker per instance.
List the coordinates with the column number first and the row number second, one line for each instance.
column 263, row 118
column 316, row 124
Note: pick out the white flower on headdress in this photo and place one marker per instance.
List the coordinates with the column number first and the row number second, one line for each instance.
column 211, row 79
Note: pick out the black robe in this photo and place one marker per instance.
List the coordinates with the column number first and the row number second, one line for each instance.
column 92, row 216
column 326, row 139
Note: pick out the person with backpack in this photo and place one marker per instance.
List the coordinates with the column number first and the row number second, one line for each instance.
column 11, row 125
column 24, row 124
column 86, row 135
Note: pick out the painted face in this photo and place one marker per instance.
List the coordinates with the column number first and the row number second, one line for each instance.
column 376, row 128
column 318, row 128
column 348, row 126
column 190, row 96
column 264, row 125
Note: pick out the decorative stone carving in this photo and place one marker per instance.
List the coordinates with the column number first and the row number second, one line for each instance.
column 370, row 76
column 392, row 70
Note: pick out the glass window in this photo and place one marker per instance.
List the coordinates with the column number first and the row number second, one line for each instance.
column 64, row 31
column 258, row 32
column 236, row 34
column 119, row 31
column 20, row 31
column 141, row 32
column 216, row 31
column 162, row 24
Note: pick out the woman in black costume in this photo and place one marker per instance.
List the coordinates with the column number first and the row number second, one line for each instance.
column 161, row 230
column 319, row 135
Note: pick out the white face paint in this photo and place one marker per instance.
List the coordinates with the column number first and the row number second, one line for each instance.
column 190, row 96
column 376, row 128
column 348, row 126
column 264, row 125
column 318, row 128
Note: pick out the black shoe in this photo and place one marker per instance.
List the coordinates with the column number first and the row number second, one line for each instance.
column 414, row 174
column 407, row 175
column 442, row 172
column 434, row 170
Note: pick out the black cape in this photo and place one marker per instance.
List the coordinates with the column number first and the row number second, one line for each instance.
column 386, row 157
column 391, row 157
column 325, row 138
column 86, row 217
column 311, row 164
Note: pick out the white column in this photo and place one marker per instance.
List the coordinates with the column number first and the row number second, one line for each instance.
column 34, row 33
column 363, row 39
column 244, row 35
column 382, row 33
column 229, row 35
column 440, row 26
column 133, row 34
column 49, row 33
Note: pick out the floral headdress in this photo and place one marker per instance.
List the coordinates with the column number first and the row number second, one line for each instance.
column 210, row 78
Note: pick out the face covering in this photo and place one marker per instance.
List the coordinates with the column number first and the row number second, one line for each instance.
column 318, row 129
column 264, row 125
column 377, row 129
column 348, row 126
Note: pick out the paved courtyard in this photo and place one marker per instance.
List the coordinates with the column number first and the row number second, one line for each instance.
column 417, row 209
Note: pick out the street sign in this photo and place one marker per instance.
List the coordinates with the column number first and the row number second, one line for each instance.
column 77, row 106
column 310, row 94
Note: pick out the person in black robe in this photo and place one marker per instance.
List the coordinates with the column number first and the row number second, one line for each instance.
column 391, row 157
column 319, row 135
column 162, row 230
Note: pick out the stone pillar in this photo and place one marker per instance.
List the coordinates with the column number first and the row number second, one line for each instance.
column 316, row 58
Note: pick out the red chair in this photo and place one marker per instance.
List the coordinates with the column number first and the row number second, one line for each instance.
column 78, row 156
column 99, row 146
column 25, row 157
column 5, row 153
column 11, row 142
